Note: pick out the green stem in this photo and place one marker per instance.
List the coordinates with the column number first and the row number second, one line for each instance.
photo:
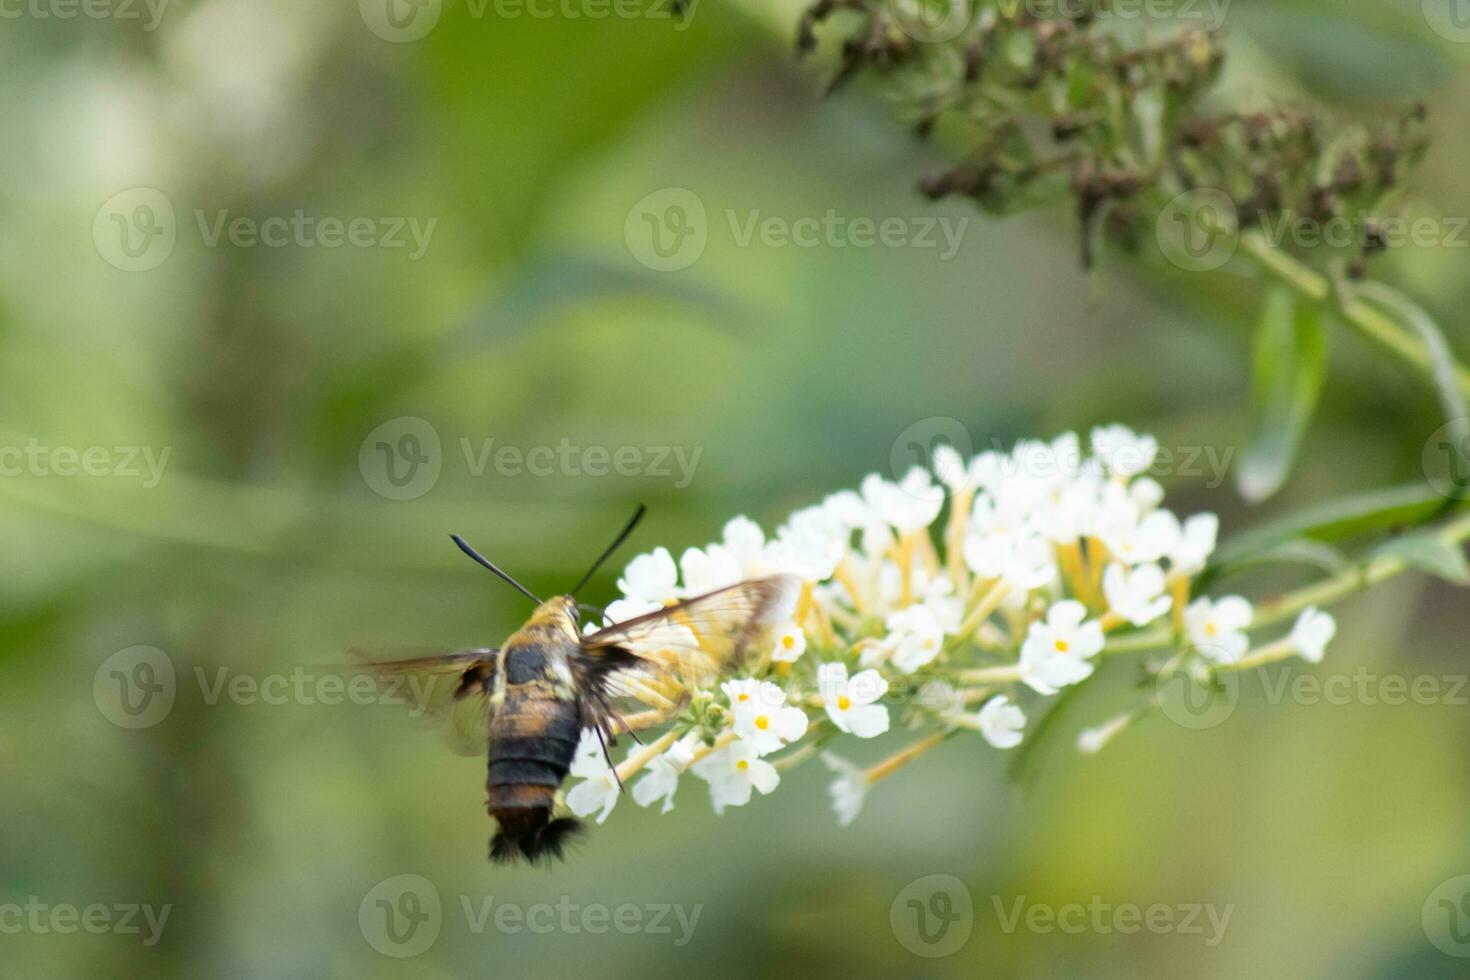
column 1452, row 398
column 1367, row 319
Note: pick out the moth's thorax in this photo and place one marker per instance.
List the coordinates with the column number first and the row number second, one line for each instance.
column 539, row 654
column 556, row 615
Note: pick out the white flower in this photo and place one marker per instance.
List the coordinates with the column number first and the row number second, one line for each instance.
column 909, row 505
column 1003, row 541
column 847, row 508
column 1043, row 464
column 600, row 789
column 706, row 571
column 1137, row 594
column 1032, row 565
column 1024, row 562
column 948, row 610
column 745, row 540
column 950, row 467
column 1148, row 540
column 1194, row 545
column 876, row 538
column 989, row 469
column 1004, row 511
column 915, row 637
column 809, row 545
column 662, row 777
column 1001, row 722
column 762, row 717
column 1066, row 451
column 935, row 591
column 1056, row 652
column 831, row 596
column 1124, row 452
column 748, row 693
column 621, row 610
column 850, row 702
column 1146, row 493
column 1217, row 628
column 733, row 771
column 1091, row 741
column 1073, row 509
column 848, row 790
column 1314, row 629
column 790, row 644
column 651, row 578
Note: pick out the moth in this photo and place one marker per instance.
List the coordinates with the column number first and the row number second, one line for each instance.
column 532, row 697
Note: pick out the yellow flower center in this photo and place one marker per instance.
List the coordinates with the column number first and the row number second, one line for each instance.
column 743, row 698
column 1211, row 629
column 788, row 641
column 843, row 702
column 1062, row 646
column 742, row 765
column 762, row 722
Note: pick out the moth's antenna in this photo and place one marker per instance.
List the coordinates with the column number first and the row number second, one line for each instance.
column 464, row 546
column 622, row 536
column 601, row 612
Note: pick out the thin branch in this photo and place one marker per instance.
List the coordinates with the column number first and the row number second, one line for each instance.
column 1321, row 593
column 1372, row 322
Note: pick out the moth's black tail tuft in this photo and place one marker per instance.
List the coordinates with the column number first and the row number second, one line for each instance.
column 554, row 838
column 542, row 846
column 503, row 850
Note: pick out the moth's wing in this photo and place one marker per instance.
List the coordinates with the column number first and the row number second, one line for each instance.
column 452, row 688
column 695, row 640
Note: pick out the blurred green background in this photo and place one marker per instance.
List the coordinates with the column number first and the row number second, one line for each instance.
column 268, row 544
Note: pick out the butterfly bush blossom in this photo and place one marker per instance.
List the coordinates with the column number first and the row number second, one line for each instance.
column 1044, row 556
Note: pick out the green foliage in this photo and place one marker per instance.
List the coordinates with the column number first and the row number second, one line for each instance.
column 1290, row 364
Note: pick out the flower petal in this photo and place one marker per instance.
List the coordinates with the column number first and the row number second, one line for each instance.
column 867, row 720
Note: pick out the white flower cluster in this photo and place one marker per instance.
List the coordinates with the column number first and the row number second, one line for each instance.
column 1045, row 552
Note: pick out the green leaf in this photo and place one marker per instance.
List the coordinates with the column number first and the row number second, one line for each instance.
column 543, row 286
column 1429, row 554
column 1287, row 551
column 1290, row 361
column 504, row 161
column 1148, row 122
column 1346, row 517
column 1021, row 50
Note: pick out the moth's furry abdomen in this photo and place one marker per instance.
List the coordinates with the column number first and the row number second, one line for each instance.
column 543, row 845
